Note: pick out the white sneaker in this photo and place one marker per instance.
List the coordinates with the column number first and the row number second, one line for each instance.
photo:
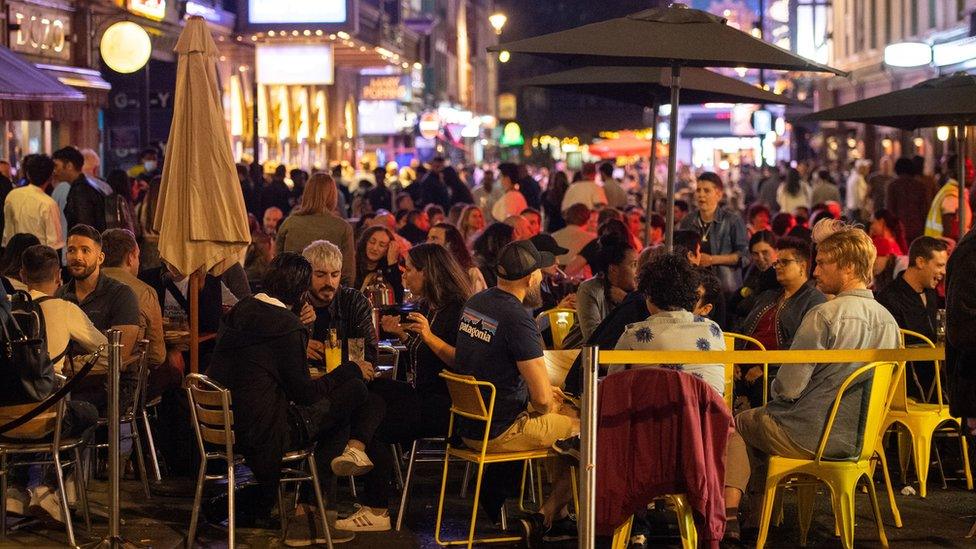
column 45, row 503
column 365, row 519
column 17, row 500
column 351, row 463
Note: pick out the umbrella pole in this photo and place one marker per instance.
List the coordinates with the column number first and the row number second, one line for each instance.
column 961, row 159
column 194, row 292
column 649, row 189
column 672, row 154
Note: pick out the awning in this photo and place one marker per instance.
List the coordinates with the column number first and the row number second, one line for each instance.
column 77, row 77
column 27, row 93
column 707, row 126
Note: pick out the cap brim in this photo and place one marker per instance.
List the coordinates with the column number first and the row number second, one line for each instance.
column 546, row 259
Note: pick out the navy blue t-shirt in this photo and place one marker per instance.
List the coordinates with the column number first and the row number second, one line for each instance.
column 495, row 333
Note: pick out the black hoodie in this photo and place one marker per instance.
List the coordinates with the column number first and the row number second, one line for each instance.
column 260, row 357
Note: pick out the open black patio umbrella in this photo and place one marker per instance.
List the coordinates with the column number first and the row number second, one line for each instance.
column 675, row 37
column 650, row 87
column 944, row 101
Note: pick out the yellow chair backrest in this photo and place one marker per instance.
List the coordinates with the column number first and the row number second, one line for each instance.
column 466, row 397
column 879, row 400
column 730, row 340
column 561, row 321
column 900, row 402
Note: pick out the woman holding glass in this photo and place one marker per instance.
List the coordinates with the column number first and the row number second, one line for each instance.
column 421, row 408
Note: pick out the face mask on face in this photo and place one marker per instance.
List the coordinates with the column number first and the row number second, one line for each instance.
column 150, row 165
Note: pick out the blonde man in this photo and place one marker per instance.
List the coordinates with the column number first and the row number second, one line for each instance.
column 793, row 421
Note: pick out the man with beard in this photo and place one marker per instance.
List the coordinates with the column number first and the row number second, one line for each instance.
column 108, row 303
column 912, row 297
column 343, row 309
column 498, row 341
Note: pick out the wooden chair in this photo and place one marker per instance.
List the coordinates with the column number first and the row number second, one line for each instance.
column 213, row 423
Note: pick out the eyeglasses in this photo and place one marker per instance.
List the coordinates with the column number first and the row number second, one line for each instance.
column 782, row 263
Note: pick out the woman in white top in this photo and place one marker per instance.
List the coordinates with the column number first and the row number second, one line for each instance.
column 449, row 236
column 793, row 193
column 511, row 203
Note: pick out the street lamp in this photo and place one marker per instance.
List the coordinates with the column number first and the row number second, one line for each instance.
column 504, row 56
column 497, row 21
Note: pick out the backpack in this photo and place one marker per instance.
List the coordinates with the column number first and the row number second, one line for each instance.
column 26, row 368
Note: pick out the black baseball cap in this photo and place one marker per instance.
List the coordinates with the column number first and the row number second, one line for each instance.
column 544, row 242
column 520, row 259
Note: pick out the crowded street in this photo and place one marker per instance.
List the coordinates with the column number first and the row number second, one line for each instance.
column 430, row 273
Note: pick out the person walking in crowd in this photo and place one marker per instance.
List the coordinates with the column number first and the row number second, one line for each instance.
column 586, row 191
column 888, row 238
column 487, row 248
column 801, row 395
column 616, row 196
column 512, row 202
column 552, row 201
column 314, row 220
column 723, row 234
column 574, row 236
column 275, row 192
column 432, row 188
column 909, row 197
column 529, row 187
column 84, row 204
column 447, row 235
column 824, row 189
column 420, row 410
column 460, row 193
column 487, row 193
column 856, row 197
column 377, row 258
column 29, row 209
column 793, row 193
column 943, row 218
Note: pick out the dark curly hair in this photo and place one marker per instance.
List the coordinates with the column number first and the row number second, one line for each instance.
column 713, row 288
column 288, row 278
column 670, row 282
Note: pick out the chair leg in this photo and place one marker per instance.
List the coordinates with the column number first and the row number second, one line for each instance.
column 3, row 490
column 621, row 536
column 140, row 459
column 63, row 497
column 404, row 497
column 922, row 449
column 231, row 508
column 766, row 514
column 440, row 498
column 352, row 487
column 843, row 500
column 965, row 461
column 877, row 512
column 398, row 465
column 890, row 488
column 686, row 522
column 282, row 511
column 474, row 508
column 903, row 458
column 319, row 500
column 465, row 480
column 151, row 442
column 82, row 488
column 195, row 512
column 805, row 496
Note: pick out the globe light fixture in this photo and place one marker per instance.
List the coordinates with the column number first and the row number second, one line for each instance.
column 504, row 56
column 942, row 132
column 125, row 47
column 908, row 54
column 497, row 21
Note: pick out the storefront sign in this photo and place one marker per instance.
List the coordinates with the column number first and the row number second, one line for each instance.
column 429, row 125
column 40, row 31
column 507, row 106
column 377, row 117
column 310, row 12
column 150, row 9
column 385, row 87
column 295, row 64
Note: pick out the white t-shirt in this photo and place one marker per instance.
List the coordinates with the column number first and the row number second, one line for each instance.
column 511, row 203
column 588, row 193
column 676, row 331
column 64, row 322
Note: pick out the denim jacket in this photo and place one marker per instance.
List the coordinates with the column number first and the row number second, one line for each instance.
column 727, row 235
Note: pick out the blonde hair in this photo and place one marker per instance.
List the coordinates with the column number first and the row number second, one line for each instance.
column 320, row 195
column 847, row 245
column 324, row 253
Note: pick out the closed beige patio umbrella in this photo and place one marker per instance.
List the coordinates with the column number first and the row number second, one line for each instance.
column 201, row 218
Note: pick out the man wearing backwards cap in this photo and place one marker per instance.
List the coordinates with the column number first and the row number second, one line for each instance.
column 498, row 341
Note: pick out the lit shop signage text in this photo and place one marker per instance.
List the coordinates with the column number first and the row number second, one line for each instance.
column 39, row 31
column 385, row 88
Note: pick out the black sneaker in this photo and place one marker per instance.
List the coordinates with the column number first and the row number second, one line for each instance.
column 569, row 447
column 563, row 529
column 533, row 528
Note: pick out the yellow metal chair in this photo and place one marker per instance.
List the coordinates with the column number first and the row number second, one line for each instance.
column 561, row 321
column 841, row 477
column 731, row 339
column 467, row 401
column 686, row 525
column 922, row 421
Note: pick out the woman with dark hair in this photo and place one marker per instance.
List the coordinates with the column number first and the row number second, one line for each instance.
column 782, row 223
column 12, row 260
column 448, row 236
column 792, row 192
column 487, row 247
column 615, row 275
column 377, row 256
column 125, row 214
column 583, row 264
column 759, row 276
column 460, row 193
column 758, row 219
column 552, row 200
column 888, row 237
column 420, row 410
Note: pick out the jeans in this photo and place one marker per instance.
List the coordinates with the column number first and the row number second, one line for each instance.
column 409, row 415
